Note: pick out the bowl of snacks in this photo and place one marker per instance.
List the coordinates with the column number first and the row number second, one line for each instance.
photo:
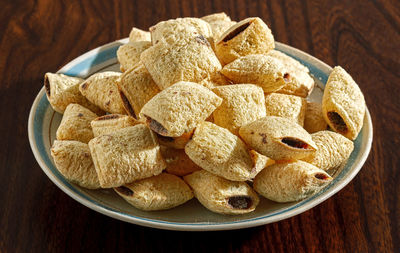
column 200, row 124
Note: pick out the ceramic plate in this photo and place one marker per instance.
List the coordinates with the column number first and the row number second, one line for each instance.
column 43, row 123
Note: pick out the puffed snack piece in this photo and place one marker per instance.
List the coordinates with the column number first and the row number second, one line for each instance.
column 136, row 88
column 220, row 195
column 292, row 181
column 128, row 154
column 180, row 108
column 286, row 106
column 161, row 192
column 193, row 61
column 175, row 142
column 101, row 89
column 333, row 150
column 129, row 54
column 137, row 34
column 218, row 151
column 343, row 104
column 298, row 82
column 62, row 90
column 249, row 36
column 242, row 104
column 219, row 23
column 314, row 120
column 75, row 124
column 109, row 123
column 180, row 30
column 74, row 162
column 262, row 70
column 178, row 162
column 278, row 138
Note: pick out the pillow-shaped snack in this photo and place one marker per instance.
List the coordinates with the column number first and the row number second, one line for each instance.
column 136, row 88
column 179, row 108
column 314, row 120
column 126, row 155
column 293, row 181
column 109, row 123
column 62, row 90
column 333, row 150
column 74, row 162
column 217, row 79
column 219, row 23
column 75, row 124
column 278, row 138
column 129, row 54
column 286, row 106
column 220, row 195
column 178, row 31
column 192, row 61
column 298, row 81
column 241, row 105
column 259, row 162
column 249, row 36
column 178, row 163
column 175, row 142
column 343, row 104
column 101, row 89
column 139, row 35
column 262, row 70
column 161, row 192
column 218, row 151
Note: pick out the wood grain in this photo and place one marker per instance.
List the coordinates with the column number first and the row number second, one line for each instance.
column 43, row 35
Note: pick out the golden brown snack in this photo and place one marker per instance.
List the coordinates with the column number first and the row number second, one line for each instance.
column 262, row 70
column 75, row 124
column 179, row 108
column 218, row 151
column 178, row 31
column 292, row 181
column 286, row 106
column 333, row 150
column 219, row 23
column 62, row 90
column 249, row 36
column 139, row 35
column 136, row 89
column 178, row 163
column 101, row 89
column 159, row 192
column 241, row 105
column 220, row 195
column 128, row 154
column 74, row 162
column 314, row 120
column 278, row 138
column 216, row 80
column 129, row 54
column 109, row 123
column 192, row 61
column 299, row 82
column 175, row 142
column 343, row 104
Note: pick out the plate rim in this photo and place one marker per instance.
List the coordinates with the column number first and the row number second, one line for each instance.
column 189, row 226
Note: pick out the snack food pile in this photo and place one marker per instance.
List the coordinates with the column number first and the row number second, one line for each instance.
column 205, row 108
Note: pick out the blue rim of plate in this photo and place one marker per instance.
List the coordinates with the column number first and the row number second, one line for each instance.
column 97, row 58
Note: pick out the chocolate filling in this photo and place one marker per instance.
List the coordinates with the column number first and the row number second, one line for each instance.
column 47, row 85
column 124, row 190
column 235, row 32
column 165, row 138
column 156, row 126
column 108, row 116
column 295, row 143
column 321, row 176
column 84, row 86
column 337, row 122
column 127, row 105
column 240, row 202
column 287, row 77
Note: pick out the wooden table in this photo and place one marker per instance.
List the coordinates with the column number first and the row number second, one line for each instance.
column 41, row 36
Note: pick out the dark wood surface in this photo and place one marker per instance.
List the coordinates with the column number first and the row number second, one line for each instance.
column 43, row 35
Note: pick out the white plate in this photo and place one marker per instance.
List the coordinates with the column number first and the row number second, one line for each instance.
column 43, row 123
